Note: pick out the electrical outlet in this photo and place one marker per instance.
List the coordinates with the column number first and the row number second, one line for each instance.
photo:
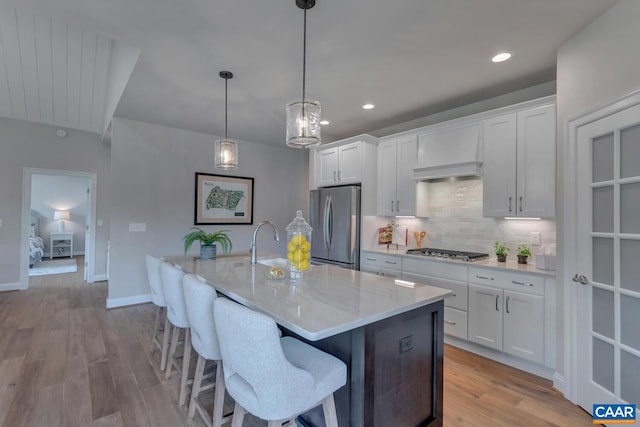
column 534, row 238
column 406, row 344
column 137, row 226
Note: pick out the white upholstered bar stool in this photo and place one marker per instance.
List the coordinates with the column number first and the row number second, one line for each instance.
column 152, row 265
column 273, row 378
column 177, row 316
column 199, row 297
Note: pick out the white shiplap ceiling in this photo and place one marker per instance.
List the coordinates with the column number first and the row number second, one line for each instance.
column 409, row 57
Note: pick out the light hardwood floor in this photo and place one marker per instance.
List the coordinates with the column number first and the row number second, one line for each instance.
column 67, row 361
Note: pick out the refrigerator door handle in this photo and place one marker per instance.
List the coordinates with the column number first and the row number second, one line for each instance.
column 330, row 223
column 325, row 222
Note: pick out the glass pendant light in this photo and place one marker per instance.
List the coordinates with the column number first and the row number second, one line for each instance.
column 226, row 149
column 303, row 118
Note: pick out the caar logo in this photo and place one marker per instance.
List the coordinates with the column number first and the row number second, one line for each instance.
column 614, row 414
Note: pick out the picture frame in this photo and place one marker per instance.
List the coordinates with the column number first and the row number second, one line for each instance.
column 223, row 199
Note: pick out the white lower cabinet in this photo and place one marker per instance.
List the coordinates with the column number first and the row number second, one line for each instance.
column 381, row 264
column 506, row 312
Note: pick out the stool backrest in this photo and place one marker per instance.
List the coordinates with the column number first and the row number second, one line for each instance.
column 257, row 373
column 152, row 264
column 173, row 294
column 199, row 297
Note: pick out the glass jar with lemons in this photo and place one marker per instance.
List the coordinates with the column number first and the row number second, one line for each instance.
column 298, row 246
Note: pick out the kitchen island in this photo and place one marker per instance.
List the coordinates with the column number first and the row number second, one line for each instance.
column 388, row 332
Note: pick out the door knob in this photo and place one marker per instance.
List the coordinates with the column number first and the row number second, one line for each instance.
column 582, row 279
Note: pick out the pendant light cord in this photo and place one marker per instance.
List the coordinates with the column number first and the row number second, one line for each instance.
column 304, row 70
column 226, row 81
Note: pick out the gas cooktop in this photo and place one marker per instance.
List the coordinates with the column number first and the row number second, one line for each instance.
column 448, row 254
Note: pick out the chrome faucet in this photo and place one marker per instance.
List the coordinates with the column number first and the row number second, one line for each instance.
column 252, row 248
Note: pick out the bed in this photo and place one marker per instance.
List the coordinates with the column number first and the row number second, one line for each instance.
column 36, row 243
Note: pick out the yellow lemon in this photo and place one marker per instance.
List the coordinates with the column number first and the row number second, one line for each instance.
column 290, row 256
column 297, row 256
column 292, row 246
column 304, row 265
column 306, row 246
column 297, row 239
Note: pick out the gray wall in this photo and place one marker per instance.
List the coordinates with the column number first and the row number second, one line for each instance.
column 153, row 174
column 598, row 64
column 24, row 144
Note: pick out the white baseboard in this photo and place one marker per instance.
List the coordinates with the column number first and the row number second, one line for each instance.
column 498, row 356
column 100, row 278
column 123, row 302
column 10, row 287
column 558, row 382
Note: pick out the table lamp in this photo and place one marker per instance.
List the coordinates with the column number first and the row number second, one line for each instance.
column 61, row 216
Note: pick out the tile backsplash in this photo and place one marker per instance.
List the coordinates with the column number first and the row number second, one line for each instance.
column 455, row 222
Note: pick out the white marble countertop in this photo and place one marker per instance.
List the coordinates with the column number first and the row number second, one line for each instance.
column 490, row 262
column 329, row 300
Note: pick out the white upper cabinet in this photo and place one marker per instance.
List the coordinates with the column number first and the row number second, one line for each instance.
column 396, row 187
column 340, row 165
column 519, row 176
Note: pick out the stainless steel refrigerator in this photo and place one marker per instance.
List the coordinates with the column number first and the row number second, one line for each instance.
column 334, row 214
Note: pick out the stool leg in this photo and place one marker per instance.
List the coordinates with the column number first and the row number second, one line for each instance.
column 195, row 389
column 218, row 399
column 329, row 409
column 156, row 326
column 238, row 415
column 165, row 343
column 186, row 360
column 172, row 351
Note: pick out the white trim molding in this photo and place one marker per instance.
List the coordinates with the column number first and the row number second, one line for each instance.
column 123, row 302
column 100, row 278
column 11, row 287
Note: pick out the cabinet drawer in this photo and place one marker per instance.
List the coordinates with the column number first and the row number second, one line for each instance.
column 520, row 282
column 444, row 269
column 382, row 260
column 455, row 323
column 459, row 298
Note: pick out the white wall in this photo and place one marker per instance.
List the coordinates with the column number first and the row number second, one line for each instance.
column 59, row 192
column 24, row 144
column 153, row 172
column 598, row 64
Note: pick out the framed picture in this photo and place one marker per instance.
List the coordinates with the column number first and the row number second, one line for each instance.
column 222, row 199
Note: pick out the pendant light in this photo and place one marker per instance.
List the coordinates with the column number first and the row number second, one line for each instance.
column 226, row 149
column 303, row 118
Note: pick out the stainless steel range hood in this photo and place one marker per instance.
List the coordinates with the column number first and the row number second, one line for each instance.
column 449, row 153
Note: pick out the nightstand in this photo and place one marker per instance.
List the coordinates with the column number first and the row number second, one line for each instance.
column 59, row 243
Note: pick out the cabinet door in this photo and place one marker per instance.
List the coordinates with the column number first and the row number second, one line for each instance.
column 524, row 326
column 386, row 178
column 328, row 166
column 407, row 151
column 485, row 316
column 350, row 163
column 499, row 166
column 536, row 164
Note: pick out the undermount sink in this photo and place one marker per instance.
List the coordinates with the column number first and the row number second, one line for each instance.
column 273, row 262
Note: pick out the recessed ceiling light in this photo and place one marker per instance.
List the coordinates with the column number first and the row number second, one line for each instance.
column 368, row 106
column 501, row 57
column 324, row 122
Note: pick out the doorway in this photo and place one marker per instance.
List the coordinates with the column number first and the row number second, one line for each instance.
column 48, row 193
column 601, row 258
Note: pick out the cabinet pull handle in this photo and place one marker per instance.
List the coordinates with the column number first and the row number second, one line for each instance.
column 392, row 206
column 520, row 203
column 370, row 259
column 509, row 204
column 397, row 205
column 508, row 312
column 485, row 278
column 382, row 273
column 497, row 298
column 334, row 178
column 449, row 322
column 390, row 262
column 521, row 283
column 339, row 180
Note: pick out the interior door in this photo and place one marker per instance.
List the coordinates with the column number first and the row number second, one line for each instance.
column 608, row 254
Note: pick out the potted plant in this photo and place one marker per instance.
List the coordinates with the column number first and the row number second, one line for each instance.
column 501, row 251
column 207, row 242
column 523, row 253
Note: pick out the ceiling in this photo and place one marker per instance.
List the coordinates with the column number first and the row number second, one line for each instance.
column 410, row 58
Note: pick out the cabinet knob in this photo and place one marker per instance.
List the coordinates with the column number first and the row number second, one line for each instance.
column 509, row 204
column 520, row 203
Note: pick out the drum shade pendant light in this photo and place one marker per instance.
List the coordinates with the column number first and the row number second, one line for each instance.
column 303, row 118
column 226, row 149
